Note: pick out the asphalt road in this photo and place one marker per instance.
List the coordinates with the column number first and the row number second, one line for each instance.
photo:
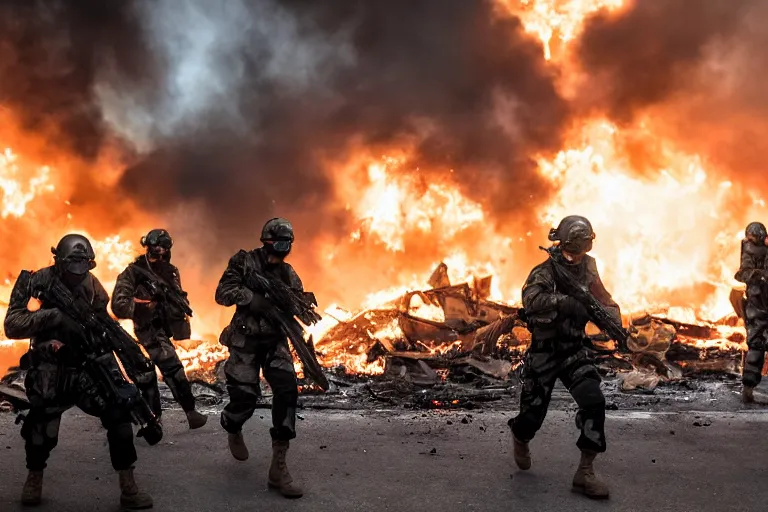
column 436, row 461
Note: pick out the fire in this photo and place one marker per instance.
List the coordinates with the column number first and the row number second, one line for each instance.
column 393, row 202
column 661, row 235
column 20, row 185
column 556, row 22
column 667, row 235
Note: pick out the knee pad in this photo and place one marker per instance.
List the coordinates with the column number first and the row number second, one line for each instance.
column 586, row 389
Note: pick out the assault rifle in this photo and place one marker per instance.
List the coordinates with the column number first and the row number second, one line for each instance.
column 597, row 312
column 102, row 338
column 288, row 305
column 158, row 287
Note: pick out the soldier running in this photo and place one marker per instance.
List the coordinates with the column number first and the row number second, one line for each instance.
column 557, row 322
column 55, row 380
column 753, row 273
column 156, row 319
column 256, row 345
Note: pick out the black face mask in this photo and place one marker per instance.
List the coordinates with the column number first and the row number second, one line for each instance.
column 77, row 266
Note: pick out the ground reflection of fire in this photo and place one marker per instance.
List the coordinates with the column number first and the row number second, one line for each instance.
column 650, row 256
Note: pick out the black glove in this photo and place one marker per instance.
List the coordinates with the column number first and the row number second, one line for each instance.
column 64, row 322
column 259, row 304
column 571, row 307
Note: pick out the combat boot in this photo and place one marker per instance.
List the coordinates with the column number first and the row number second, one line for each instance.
column 130, row 496
column 585, row 481
column 237, row 446
column 522, row 454
column 196, row 420
column 748, row 395
column 32, row 493
column 279, row 477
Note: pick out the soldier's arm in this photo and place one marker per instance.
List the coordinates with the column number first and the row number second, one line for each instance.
column 603, row 297
column 177, row 280
column 123, row 304
column 294, row 281
column 748, row 272
column 101, row 297
column 540, row 300
column 21, row 323
column 231, row 290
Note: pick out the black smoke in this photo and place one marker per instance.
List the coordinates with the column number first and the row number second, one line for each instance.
column 651, row 52
column 468, row 89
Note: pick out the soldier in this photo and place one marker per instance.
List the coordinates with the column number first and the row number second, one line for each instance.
column 54, row 382
column 255, row 344
column 557, row 323
column 752, row 272
column 156, row 319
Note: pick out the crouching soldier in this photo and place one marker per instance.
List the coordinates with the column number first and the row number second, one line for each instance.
column 144, row 293
column 55, row 380
column 256, row 345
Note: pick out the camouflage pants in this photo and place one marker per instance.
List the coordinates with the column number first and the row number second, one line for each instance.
column 162, row 352
column 756, row 323
column 52, row 389
column 242, row 373
column 579, row 375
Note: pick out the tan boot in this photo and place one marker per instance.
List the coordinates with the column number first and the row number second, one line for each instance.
column 585, row 481
column 130, row 496
column 196, row 420
column 748, row 395
column 279, row 477
column 522, row 454
column 32, row 493
column 237, row 446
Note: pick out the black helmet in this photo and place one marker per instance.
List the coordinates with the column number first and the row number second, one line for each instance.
column 277, row 236
column 756, row 232
column 74, row 254
column 574, row 233
column 157, row 241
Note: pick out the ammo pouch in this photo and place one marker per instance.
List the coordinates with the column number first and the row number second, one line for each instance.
column 231, row 337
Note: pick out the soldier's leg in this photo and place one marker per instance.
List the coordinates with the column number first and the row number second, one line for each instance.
column 41, row 435
column 41, row 425
column 538, row 380
column 122, row 451
column 242, row 373
column 40, row 430
column 162, row 352
column 279, row 373
column 583, row 381
column 281, row 377
column 757, row 330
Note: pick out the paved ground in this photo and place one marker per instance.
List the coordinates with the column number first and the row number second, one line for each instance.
column 436, row 461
